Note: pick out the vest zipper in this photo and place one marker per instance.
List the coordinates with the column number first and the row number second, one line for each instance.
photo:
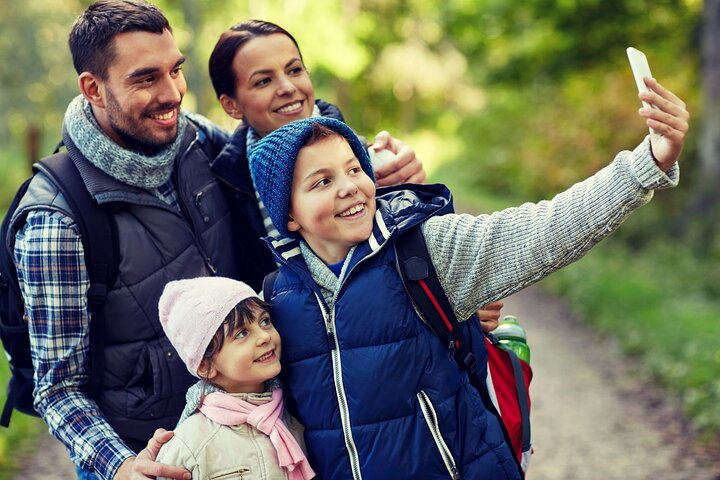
column 186, row 213
column 340, row 389
column 431, row 419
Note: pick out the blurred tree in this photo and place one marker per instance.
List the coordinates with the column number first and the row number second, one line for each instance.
column 37, row 76
column 705, row 206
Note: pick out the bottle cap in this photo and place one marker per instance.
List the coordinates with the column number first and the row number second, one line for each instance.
column 509, row 328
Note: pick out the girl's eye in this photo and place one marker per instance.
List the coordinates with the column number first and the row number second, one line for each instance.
column 296, row 70
column 265, row 322
column 355, row 170
column 241, row 334
column 262, row 82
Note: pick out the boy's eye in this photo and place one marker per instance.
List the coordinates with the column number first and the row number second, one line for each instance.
column 176, row 72
column 355, row 170
column 321, row 183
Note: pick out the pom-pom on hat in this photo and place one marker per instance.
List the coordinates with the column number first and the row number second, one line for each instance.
column 192, row 310
column 272, row 161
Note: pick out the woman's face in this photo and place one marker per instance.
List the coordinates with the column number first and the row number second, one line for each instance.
column 272, row 87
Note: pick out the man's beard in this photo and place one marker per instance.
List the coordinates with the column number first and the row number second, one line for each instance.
column 131, row 131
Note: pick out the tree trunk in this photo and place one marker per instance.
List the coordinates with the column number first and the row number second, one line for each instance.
column 32, row 144
column 702, row 216
column 710, row 135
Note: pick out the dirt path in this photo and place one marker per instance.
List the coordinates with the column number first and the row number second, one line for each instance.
column 591, row 419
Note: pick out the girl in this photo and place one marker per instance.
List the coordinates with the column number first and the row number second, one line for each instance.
column 224, row 334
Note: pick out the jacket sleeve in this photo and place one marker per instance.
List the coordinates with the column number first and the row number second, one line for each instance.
column 488, row 257
column 178, row 454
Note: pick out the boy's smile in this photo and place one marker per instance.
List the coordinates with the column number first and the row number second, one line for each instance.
column 332, row 200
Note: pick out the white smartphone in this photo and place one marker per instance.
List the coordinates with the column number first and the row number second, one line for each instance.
column 640, row 69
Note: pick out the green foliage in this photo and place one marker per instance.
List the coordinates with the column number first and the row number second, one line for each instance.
column 19, row 439
column 655, row 302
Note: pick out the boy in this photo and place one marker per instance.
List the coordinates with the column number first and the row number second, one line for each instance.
column 378, row 394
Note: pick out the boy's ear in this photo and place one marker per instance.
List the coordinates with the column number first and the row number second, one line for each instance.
column 231, row 107
column 206, row 369
column 292, row 225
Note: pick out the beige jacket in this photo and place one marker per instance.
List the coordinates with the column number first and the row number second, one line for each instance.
column 212, row 451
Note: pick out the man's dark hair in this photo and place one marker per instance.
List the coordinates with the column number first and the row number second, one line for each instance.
column 91, row 38
column 230, row 42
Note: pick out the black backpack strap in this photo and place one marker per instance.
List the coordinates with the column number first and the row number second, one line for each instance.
column 97, row 233
column 520, row 389
column 522, row 400
column 269, row 284
column 422, row 284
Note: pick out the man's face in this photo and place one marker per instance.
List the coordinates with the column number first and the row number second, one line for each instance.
column 142, row 93
column 332, row 200
column 272, row 86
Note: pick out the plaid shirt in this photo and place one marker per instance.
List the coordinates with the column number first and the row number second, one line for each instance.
column 50, row 262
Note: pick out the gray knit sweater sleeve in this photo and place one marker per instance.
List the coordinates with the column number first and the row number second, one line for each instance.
column 488, row 257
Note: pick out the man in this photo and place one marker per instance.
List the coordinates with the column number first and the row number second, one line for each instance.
column 138, row 152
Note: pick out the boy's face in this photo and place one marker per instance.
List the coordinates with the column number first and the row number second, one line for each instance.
column 249, row 357
column 332, row 200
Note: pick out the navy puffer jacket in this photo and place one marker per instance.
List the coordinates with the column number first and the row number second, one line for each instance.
column 378, row 393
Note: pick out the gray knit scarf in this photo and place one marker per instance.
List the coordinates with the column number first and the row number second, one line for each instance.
column 127, row 166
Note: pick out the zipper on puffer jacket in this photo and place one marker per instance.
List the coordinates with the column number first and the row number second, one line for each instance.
column 234, row 474
column 340, row 389
column 428, row 412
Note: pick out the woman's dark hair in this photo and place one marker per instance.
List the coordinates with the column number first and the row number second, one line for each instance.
column 244, row 312
column 230, row 42
column 91, row 38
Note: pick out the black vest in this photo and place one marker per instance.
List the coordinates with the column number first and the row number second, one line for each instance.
column 145, row 380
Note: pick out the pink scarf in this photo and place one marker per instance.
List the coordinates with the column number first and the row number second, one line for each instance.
column 228, row 410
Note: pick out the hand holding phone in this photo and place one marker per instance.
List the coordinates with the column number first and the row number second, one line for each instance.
column 640, row 69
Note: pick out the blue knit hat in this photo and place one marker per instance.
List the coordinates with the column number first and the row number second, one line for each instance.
column 272, row 161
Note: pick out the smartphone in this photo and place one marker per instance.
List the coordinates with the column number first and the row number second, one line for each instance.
column 640, row 69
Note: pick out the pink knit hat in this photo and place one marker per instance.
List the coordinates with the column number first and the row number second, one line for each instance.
column 192, row 310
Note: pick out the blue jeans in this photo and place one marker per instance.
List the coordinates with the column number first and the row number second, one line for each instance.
column 85, row 474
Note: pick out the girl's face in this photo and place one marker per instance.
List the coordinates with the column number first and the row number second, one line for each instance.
column 249, row 357
column 272, row 87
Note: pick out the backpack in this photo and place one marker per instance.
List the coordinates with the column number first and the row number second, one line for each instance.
column 508, row 382
column 97, row 234
column 510, row 375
